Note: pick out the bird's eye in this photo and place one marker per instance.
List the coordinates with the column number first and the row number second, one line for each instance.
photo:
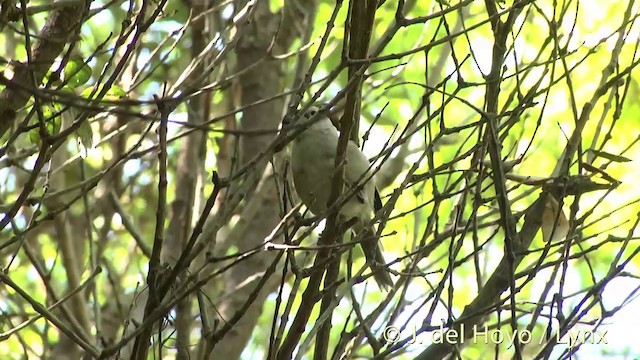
column 312, row 112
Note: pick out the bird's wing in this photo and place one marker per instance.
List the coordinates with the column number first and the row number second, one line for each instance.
column 357, row 172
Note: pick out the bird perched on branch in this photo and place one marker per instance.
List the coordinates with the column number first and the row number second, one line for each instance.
column 313, row 164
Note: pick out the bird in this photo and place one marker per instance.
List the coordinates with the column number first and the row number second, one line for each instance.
column 313, row 156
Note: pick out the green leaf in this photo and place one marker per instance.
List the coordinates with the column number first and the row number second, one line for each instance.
column 85, row 138
column 77, row 73
column 52, row 120
column 608, row 156
column 114, row 93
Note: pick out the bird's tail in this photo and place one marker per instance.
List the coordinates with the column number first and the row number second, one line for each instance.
column 373, row 253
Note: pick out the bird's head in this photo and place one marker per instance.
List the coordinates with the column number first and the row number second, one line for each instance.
column 311, row 114
column 312, row 111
